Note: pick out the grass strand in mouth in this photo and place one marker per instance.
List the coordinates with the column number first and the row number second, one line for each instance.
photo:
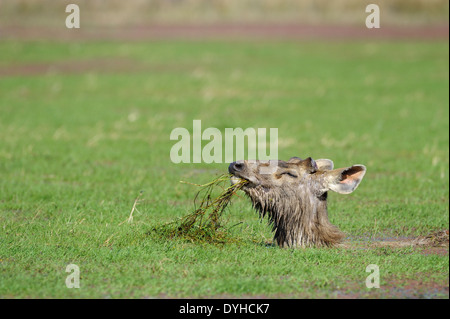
column 206, row 222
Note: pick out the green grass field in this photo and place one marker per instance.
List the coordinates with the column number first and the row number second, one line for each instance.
column 85, row 127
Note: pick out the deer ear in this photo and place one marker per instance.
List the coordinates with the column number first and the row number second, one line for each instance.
column 309, row 165
column 324, row 164
column 345, row 180
column 295, row 160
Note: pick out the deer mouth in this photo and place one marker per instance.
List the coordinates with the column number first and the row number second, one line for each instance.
column 235, row 179
column 250, row 182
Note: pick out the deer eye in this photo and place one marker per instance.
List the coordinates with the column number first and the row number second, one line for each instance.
column 290, row 173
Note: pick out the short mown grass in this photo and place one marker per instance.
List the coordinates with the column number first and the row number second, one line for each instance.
column 79, row 144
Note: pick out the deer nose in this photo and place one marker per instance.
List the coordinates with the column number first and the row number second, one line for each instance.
column 235, row 167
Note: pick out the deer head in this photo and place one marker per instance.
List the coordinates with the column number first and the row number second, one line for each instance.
column 294, row 196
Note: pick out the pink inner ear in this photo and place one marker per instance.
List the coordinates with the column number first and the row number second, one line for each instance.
column 352, row 175
column 347, row 181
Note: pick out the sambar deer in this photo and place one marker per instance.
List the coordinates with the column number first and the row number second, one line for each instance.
column 294, row 197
